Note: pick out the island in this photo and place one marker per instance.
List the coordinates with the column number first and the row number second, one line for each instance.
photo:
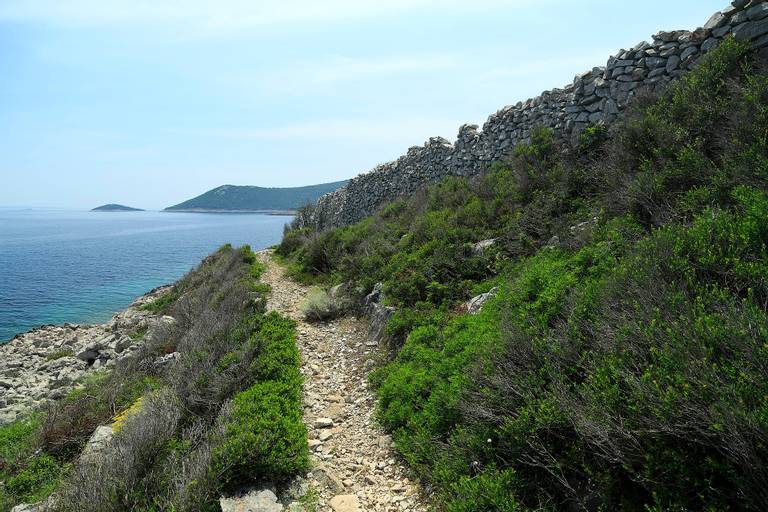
column 252, row 199
column 116, row 208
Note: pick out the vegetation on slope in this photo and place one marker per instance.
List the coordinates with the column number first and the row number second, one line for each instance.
column 227, row 411
column 249, row 198
column 622, row 363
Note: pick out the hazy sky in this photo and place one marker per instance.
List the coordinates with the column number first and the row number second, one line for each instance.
column 150, row 102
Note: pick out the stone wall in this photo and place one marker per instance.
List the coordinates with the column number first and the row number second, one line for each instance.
column 596, row 96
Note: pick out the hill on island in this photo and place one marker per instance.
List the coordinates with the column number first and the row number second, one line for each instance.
column 115, row 208
column 234, row 198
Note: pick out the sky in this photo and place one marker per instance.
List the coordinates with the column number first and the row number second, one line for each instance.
column 151, row 102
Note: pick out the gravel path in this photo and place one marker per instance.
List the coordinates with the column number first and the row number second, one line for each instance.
column 354, row 468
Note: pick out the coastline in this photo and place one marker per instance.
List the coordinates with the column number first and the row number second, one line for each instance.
column 47, row 362
column 281, row 213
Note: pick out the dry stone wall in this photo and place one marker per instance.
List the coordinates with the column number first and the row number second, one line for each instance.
column 596, row 96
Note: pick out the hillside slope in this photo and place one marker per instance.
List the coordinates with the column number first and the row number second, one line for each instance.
column 253, row 199
column 620, row 359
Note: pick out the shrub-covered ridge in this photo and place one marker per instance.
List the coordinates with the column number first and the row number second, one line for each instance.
column 622, row 363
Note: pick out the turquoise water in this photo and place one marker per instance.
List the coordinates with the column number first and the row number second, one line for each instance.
column 81, row 267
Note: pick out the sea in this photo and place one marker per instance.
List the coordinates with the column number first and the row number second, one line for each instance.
column 60, row 266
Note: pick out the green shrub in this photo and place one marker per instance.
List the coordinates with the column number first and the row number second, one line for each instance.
column 28, row 474
column 318, row 305
column 663, row 334
column 18, row 438
column 279, row 358
column 491, row 491
column 36, row 481
column 264, row 436
column 163, row 303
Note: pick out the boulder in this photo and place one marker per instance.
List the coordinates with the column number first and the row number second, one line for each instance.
column 88, row 355
column 103, row 342
column 256, row 500
column 716, row 20
column 375, row 296
column 35, row 507
column 122, row 343
column 758, row 12
column 345, row 503
column 339, row 292
column 379, row 315
column 326, row 479
column 475, row 304
column 751, row 30
column 99, row 441
column 673, row 63
column 166, row 359
column 740, row 4
column 480, row 247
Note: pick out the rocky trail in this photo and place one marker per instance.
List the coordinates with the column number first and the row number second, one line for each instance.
column 353, row 465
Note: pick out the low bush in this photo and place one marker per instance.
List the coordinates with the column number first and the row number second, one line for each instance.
column 264, row 435
column 36, row 481
column 163, row 303
column 318, row 306
column 69, row 423
column 612, row 378
column 27, row 474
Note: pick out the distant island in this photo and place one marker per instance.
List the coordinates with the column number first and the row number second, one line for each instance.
column 250, row 199
column 116, row 208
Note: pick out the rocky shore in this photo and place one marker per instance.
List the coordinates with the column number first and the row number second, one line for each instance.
column 46, row 363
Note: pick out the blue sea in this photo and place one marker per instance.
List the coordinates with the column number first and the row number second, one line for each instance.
column 81, row 267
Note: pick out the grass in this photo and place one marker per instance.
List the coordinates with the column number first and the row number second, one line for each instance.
column 139, row 333
column 27, row 475
column 163, row 303
column 58, row 354
column 310, row 502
